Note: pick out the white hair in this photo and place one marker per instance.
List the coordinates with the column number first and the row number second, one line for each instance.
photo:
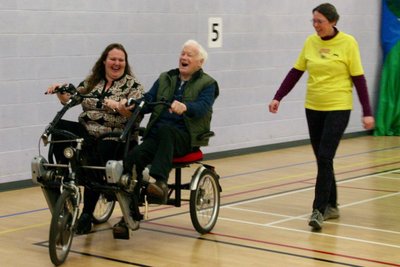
column 202, row 52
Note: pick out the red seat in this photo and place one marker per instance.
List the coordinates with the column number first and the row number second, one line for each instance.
column 188, row 158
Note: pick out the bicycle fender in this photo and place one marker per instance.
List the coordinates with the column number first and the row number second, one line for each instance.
column 196, row 176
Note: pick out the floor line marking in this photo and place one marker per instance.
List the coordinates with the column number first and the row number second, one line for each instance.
column 24, row 228
column 305, row 189
column 304, row 217
column 309, row 232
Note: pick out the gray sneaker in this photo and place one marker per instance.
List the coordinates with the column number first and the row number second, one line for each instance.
column 316, row 220
column 331, row 213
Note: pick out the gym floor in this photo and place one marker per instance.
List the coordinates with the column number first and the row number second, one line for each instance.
column 265, row 204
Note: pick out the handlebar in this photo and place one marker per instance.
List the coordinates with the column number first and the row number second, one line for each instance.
column 65, row 88
column 139, row 105
column 75, row 99
column 132, row 101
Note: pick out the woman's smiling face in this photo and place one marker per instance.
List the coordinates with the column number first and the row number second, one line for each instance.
column 115, row 64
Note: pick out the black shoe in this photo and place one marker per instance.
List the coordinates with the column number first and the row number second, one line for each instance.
column 121, row 230
column 316, row 220
column 158, row 191
column 84, row 225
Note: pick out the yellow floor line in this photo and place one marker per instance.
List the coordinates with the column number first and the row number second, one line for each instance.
column 24, row 228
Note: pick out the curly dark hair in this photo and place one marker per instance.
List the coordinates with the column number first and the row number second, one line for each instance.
column 328, row 10
column 99, row 70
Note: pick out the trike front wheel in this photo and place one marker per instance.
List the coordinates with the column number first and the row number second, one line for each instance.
column 62, row 227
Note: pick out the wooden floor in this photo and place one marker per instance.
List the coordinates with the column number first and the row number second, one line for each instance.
column 266, row 201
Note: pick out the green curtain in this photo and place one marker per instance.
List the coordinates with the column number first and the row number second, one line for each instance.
column 388, row 112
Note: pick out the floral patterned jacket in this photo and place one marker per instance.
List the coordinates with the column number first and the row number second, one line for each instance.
column 99, row 120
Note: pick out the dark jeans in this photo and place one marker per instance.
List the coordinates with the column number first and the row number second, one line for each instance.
column 159, row 151
column 97, row 153
column 326, row 129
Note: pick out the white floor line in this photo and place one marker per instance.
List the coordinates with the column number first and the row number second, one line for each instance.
column 369, row 200
column 390, row 178
column 267, row 197
column 338, row 237
column 307, row 189
column 310, row 232
column 304, row 216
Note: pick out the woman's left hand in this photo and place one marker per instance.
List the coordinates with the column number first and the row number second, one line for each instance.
column 368, row 122
column 111, row 104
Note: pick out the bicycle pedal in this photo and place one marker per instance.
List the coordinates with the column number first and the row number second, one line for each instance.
column 121, row 234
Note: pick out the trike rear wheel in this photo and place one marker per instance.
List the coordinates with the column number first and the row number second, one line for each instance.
column 104, row 209
column 205, row 202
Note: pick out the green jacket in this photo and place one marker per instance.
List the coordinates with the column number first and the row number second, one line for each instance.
column 166, row 89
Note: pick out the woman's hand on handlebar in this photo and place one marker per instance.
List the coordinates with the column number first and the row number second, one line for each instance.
column 125, row 105
column 63, row 97
column 119, row 106
column 111, row 104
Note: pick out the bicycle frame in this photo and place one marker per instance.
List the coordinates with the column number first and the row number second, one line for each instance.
column 53, row 180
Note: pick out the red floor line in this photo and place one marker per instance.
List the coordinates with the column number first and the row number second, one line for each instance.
column 307, row 249
column 281, row 245
column 302, row 181
column 369, row 189
column 362, row 188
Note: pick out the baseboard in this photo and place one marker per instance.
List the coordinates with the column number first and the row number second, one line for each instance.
column 16, row 185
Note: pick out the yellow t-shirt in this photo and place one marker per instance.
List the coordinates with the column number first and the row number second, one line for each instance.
column 330, row 65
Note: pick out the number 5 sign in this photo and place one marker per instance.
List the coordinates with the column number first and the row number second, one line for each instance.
column 214, row 32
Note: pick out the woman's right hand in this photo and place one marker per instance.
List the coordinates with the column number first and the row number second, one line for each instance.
column 62, row 97
column 274, row 106
column 53, row 87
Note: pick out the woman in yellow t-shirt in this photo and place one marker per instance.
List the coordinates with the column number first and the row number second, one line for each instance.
column 332, row 59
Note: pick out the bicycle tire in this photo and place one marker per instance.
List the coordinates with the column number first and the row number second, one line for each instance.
column 104, row 209
column 205, row 202
column 62, row 228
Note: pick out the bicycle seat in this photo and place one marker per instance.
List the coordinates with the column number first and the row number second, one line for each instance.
column 193, row 156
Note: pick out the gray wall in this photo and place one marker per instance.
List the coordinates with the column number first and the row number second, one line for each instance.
column 44, row 41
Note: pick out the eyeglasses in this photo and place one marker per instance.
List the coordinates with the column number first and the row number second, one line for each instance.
column 318, row 21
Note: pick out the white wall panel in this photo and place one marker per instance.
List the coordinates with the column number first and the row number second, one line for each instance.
column 47, row 41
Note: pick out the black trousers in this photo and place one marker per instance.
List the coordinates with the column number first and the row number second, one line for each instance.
column 97, row 153
column 326, row 129
column 159, row 151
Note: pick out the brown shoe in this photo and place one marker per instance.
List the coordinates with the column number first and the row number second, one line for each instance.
column 158, row 191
